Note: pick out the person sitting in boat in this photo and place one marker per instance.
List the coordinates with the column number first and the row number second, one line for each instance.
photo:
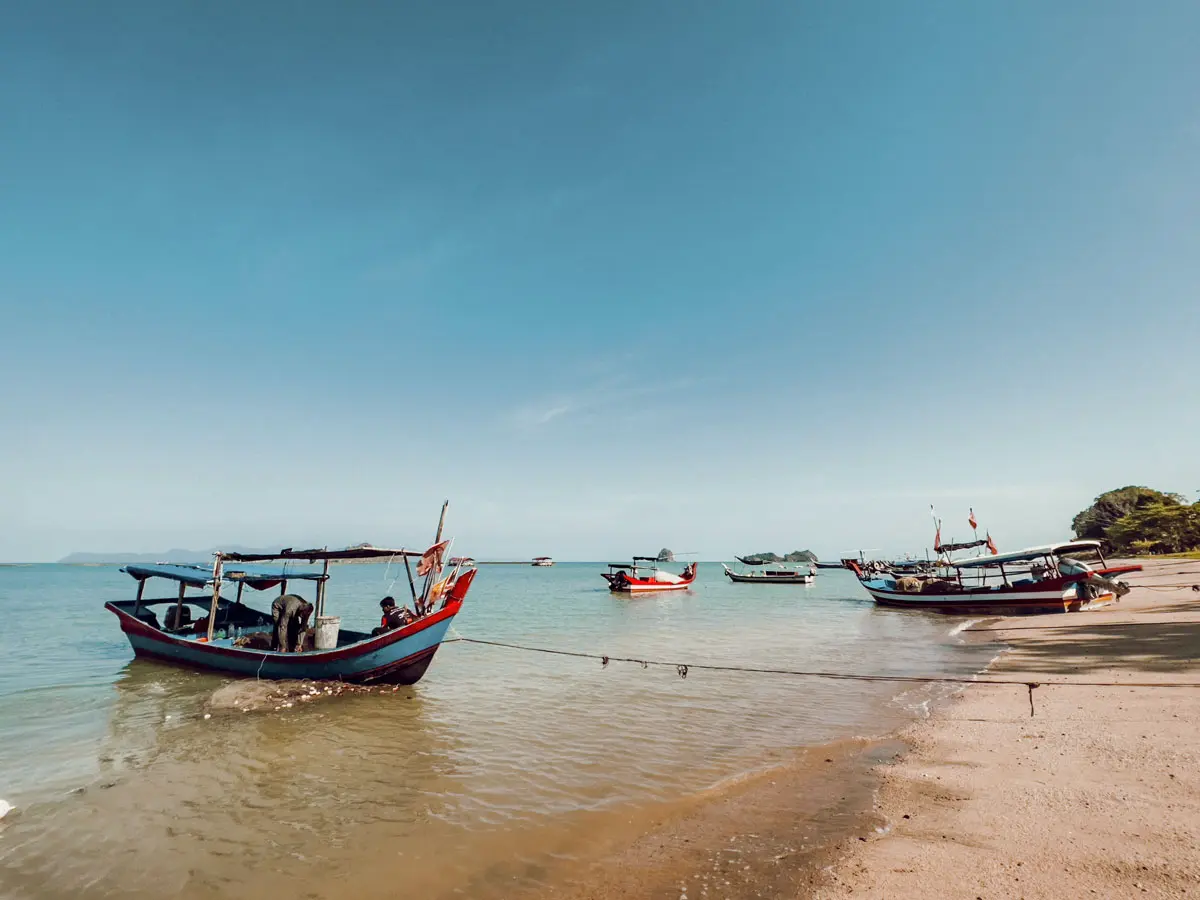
column 290, row 613
column 393, row 616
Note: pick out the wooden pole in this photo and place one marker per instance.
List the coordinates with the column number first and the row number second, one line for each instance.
column 321, row 589
column 212, row 610
column 137, row 603
column 179, row 604
column 412, row 585
column 241, row 584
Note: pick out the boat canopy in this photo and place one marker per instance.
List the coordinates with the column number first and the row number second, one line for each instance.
column 202, row 576
column 1027, row 554
column 962, row 545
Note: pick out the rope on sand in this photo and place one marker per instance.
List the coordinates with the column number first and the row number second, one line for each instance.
column 684, row 668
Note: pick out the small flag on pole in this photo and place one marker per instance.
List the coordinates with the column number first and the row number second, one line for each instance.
column 991, row 545
column 937, row 537
column 431, row 559
column 971, row 521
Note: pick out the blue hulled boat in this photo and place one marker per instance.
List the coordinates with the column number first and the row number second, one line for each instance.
column 234, row 638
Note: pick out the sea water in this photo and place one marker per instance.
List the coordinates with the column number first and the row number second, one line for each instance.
column 128, row 780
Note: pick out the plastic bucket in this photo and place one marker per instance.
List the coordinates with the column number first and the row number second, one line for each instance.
column 327, row 628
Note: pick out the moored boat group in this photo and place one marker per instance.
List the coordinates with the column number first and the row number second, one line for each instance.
column 237, row 639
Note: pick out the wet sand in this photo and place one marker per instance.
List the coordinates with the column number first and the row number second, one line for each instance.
column 1098, row 794
column 764, row 835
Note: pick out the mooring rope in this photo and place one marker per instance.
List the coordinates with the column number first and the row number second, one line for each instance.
column 683, row 668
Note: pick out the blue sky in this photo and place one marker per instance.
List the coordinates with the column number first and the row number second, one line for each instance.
column 722, row 277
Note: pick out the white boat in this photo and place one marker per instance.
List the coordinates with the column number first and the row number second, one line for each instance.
column 542, row 561
column 771, row 572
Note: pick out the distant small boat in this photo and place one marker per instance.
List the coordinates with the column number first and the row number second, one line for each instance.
column 772, row 573
column 831, row 565
column 626, row 578
column 542, row 561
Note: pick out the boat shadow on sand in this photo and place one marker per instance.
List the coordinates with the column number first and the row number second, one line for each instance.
column 1089, row 648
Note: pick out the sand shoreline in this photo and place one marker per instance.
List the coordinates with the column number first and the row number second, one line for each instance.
column 1097, row 794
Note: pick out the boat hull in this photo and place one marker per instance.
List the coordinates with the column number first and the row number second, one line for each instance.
column 394, row 657
column 641, row 587
column 738, row 578
column 997, row 603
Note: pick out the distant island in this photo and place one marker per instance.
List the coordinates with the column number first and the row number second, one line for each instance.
column 794, row 557
column 665, row 555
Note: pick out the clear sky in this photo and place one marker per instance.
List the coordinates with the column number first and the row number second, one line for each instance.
column 611, row 276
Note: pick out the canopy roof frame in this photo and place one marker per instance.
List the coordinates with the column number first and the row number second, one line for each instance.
column 1030, row 553
column 202, row 576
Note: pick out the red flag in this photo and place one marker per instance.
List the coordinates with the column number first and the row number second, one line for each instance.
column 971, row 521
column 991, row 545
column 431, row 559
column 937, row 539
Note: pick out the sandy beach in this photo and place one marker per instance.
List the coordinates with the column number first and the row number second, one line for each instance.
column 1097, row 794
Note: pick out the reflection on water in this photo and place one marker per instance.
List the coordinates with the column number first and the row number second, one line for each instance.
column 126, row 789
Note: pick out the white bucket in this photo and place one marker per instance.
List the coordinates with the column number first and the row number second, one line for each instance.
column 327, row 632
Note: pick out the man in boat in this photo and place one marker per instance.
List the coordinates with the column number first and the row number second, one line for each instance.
column 393, row 616
column 290, row 613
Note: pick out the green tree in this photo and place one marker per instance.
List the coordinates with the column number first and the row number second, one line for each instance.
column 1170, row 527
column 1111, row 506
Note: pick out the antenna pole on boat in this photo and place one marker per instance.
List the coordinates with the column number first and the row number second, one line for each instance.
column 441, row 521
column 212, row 612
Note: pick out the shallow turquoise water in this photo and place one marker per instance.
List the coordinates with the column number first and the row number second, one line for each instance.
column 115, row 771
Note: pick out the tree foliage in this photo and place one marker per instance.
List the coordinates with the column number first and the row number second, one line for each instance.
column 1141, row 520
column 1094, row 522
column 1166, row 528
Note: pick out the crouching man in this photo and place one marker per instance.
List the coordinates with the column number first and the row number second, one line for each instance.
column 291, row 614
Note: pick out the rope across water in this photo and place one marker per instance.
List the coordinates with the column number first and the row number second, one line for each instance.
column 814, row 673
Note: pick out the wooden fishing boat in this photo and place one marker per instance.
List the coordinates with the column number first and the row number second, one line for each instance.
column 1035, row 580
column 772, row 572
column 626, row 578
column 231, row 636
